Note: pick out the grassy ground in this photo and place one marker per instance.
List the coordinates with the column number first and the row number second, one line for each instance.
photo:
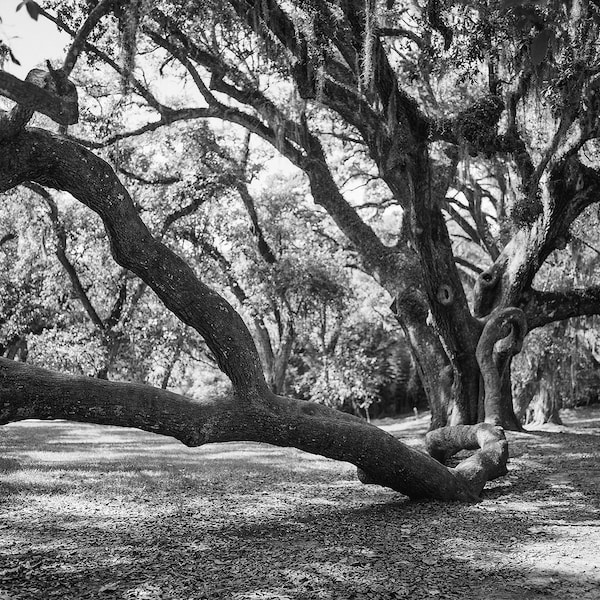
column 101, row 512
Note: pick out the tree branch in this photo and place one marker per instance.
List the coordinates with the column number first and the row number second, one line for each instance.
column 137, row 86
column 548, row 307
column 31, row 392
column 32, row 96
column 61, row 164
column 80, row 40
column 61, row 254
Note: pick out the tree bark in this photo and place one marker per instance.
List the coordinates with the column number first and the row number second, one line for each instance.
column 489, row 441
column 30, row 392
column 502, row 337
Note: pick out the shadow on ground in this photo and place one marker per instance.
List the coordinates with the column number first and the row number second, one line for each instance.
column 102, row 512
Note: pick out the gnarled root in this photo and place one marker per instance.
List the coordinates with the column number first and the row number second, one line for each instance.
column 488, row 463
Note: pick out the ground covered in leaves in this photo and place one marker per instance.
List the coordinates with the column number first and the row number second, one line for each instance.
column 103, row 512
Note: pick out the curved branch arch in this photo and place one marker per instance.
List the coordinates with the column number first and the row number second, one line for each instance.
column 501, row 338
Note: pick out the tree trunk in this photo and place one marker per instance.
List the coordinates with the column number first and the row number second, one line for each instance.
column 501, row 338
column 430, row 359
column 510, row 419
column 545, row 405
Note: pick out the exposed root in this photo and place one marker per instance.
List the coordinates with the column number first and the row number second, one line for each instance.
column 490, row 460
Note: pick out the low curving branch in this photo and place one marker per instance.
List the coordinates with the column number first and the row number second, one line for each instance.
column 31, row 392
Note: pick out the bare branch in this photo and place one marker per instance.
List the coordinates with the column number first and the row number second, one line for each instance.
column 166, row 180
column 548, row 307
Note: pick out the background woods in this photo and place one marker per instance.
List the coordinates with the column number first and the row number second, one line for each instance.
column 271, row 178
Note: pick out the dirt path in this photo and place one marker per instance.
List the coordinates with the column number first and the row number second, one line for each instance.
column 99, row 512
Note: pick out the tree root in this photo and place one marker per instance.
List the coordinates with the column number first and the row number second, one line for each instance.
column 489, row 462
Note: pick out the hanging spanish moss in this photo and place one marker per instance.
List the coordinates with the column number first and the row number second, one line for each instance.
column 129, row 16
column 370, row 37
column 314, row 25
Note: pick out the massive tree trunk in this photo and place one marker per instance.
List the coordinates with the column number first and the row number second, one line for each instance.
column 398, row 137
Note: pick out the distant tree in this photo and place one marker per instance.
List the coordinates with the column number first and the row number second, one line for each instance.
column 558, row 366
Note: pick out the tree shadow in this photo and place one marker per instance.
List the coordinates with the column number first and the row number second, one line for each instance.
column 276, row 523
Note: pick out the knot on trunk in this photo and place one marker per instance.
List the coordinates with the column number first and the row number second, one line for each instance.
column 484, row 293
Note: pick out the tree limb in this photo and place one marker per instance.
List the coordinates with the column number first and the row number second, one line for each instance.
column 31, row 392
column 61, row 253
column 61, row 164
column 542, row 308
column 30, row 96
column 80, row 40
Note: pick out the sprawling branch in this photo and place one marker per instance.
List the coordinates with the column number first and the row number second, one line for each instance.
column 31, row 392
column 169, row 116
column 571, row 188
column 60, row 163
column 547, row 307
column 292, row 139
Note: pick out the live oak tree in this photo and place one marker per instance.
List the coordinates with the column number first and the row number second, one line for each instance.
column 373, row 66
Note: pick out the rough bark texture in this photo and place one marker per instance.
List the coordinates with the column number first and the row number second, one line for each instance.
column 502, row 337
column 30, row 392
column 61, row 106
